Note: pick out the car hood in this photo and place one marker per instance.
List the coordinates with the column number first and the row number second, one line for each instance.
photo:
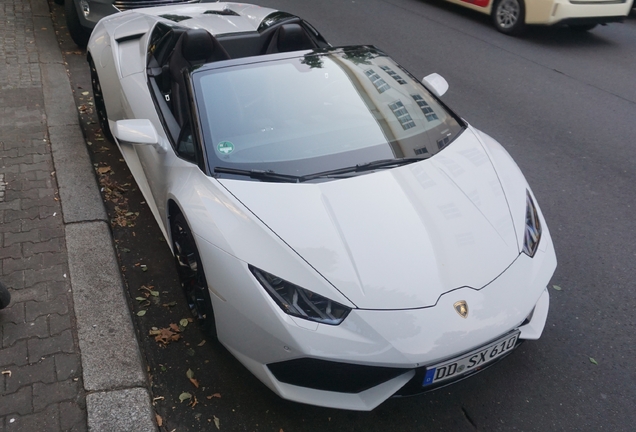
column 397, row 238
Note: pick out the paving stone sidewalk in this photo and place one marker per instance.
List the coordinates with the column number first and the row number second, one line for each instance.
column 68, row 353
column 41, row 385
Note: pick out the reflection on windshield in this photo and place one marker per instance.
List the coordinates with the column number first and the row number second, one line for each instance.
column 319, row 112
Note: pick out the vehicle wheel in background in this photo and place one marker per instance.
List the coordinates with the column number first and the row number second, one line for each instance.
column 100, row 106
column 509, row 16
column 191, row 275
column 582, row 27
column 78, row 33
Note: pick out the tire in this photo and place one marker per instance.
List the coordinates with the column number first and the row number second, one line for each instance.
column 581, row 27
column 509, row 16
column 100, row 106
column 191, row 275
column 5, row 296
column 79, row 33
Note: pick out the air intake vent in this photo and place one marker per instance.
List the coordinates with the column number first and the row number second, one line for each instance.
column 332, row 376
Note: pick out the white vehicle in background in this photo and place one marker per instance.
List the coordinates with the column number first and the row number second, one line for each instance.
column 512, row 16
column 83, row 15
column 341, row 231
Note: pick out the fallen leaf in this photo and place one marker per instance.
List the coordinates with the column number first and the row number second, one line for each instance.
column 593, row 361
column 201, row 343
column 194, row 382
column 125, row 250
column 141, row 313
column 183, row 322
column 103, row 170
column 556, row 287
column 215, row 395
column 172, row 303
column 144, row 267
column 158, row 398
column 217, row 422
column 165, row 335
column 190, row 373
column 86, row 94
column 140, row 298
column 174, row 327
column 154, row 293
column 159, row 420
column 194, row 402
column 185, row 396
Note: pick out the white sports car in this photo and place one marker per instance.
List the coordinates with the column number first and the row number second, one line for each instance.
column 340, row 230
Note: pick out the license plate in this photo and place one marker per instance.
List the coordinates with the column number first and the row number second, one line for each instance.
column 472, row 361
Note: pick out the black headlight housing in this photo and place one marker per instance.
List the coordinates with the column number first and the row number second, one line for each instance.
column 532, row 231
column 300, row 302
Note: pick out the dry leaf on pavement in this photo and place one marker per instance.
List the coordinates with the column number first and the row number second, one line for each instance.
column 166, row 335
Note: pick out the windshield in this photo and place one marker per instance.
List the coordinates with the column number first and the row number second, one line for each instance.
column 317, row 112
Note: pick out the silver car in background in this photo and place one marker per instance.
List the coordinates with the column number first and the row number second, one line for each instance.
column 82, row 15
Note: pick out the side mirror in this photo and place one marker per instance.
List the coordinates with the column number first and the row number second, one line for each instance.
column 138, row 132
column 436, row 84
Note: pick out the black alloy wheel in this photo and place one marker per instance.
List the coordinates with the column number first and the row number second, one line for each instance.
column 5, row 296
column 100, row 106
column 79, row 33
column 509, row 16
column 191, row 275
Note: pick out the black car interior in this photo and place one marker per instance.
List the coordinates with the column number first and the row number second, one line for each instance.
column 174, row 51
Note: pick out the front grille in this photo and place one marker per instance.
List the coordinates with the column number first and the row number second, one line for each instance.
column 124, row 5
column 332, row 376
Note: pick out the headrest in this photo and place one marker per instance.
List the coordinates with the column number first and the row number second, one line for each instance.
column 292, row 37
column 199, row 46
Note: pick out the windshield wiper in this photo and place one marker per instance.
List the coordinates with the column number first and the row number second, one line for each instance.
column 290, row 178
column 369, row 166
column 261, row 175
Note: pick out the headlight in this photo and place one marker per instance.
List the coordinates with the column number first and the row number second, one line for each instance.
column 299, row 302
column 532, row 233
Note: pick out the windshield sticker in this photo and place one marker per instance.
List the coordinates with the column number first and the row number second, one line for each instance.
column 225, row 147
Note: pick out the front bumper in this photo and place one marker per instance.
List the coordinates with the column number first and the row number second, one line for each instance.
column 380, row 350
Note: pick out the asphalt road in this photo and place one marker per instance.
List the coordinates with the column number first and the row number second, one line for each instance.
column 564, row 105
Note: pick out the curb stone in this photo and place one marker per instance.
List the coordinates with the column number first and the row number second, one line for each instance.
column 113, row 371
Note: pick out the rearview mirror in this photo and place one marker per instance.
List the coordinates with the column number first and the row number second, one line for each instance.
column 436, row 84
column 138, row 132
